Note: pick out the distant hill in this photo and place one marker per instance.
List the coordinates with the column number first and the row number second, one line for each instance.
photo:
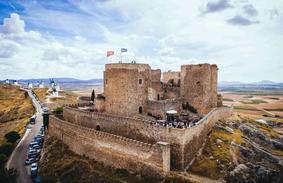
column 65, row 83
column 240, row 86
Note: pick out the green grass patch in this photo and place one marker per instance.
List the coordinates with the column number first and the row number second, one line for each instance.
column 273, row 98
column 228, row 100
column 248, row 108
column 254, row 101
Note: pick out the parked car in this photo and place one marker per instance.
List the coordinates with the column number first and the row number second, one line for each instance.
column 33, row 143
column 32, row 120
column 33, row 170
column 31, row 160
column 36, row 180
column 45, row 109
column 34, row 155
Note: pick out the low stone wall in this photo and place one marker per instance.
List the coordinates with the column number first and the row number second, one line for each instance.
column 184, row 143
column 111, row 149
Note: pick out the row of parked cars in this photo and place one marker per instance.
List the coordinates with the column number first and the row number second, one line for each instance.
column 34, row 154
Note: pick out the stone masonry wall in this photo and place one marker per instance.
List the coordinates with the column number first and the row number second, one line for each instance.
column 199, row 86
column 126, row 88
column 159, row 108
column 146, row 131
column 156, row 75
column 166, row 76
column 111, row 149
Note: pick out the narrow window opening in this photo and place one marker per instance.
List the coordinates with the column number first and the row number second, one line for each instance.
column 97, row 128
column 140, row 110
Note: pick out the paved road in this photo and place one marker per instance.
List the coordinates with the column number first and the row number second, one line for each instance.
column 17, row 159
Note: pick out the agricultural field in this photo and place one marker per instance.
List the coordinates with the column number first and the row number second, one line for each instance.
column 267, row 106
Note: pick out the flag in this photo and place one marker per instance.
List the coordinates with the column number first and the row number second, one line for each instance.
column 124, row 50
column 109, row 53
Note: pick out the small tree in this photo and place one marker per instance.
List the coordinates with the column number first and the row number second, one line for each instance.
column 3, row 159
column 6, row 149
column 92, row 96
column 171, row 82
column 12, row 136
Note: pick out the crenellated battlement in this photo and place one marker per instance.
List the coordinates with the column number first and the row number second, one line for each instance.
column 185, row 141
column 84, row 131
column 97, row 144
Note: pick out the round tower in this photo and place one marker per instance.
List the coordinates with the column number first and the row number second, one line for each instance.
column 126, row 88
column 199, row 86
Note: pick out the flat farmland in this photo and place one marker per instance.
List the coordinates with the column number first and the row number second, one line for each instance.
column 254, row 105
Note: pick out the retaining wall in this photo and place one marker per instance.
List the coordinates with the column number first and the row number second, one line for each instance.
column 112, row 149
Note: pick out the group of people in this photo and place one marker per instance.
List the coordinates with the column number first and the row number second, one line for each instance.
column 176, row 123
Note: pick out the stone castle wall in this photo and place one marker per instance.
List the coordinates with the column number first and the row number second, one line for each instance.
column 199, row 86
column 156, row 75
column 126, row 88
column 159, row 108
column 110, row 149
column 166, row 76
column 155, row 91
column 180, row 140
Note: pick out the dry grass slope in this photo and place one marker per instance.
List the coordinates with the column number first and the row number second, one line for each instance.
column 15, row 110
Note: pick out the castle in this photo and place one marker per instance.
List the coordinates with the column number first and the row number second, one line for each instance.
column 143, row 122
column 131, row 89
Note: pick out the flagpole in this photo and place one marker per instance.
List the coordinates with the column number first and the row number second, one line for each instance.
column 121, row 56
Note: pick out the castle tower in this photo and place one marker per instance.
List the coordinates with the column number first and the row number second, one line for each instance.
column 126, row 88
column 199, row 86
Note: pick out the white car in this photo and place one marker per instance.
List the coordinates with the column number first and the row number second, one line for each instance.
column 33, row 167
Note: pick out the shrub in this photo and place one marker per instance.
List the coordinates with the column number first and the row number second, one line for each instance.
column 8, row 176
column 58, row 110
column 12, row 136
column 122, row 172
column 3, row 159
column 6, row 149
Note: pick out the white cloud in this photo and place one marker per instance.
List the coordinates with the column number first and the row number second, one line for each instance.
column 163, row 34
column 8, row 48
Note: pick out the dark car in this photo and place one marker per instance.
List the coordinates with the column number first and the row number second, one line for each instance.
column 31, row 160
column 34, row 155
column 36, row 180
column 32, row 119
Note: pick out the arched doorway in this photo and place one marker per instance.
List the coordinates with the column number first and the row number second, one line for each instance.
column 158, row 97
column 140, row 109
column 97, row 128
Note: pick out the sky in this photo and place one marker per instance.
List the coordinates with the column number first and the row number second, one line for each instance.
column 70, row 38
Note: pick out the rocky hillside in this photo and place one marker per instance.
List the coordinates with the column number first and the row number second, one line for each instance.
column 242, row 150
column 15, row 110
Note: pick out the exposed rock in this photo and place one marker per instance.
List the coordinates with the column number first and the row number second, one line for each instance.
column 251, row 173
column 218, row 141
column 228, row 129
column 251, row 131
column 276, row 144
